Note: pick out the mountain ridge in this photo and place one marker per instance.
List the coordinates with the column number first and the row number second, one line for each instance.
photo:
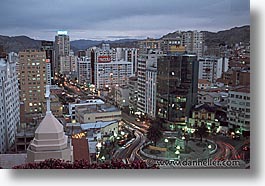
column 234, row 35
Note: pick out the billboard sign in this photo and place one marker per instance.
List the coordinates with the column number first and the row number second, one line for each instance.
column 104, row 59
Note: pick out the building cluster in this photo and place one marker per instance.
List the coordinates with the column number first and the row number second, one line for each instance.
column 172, row 78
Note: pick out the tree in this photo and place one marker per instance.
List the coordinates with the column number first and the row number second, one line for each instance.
column 154, row 133
column 213, row 128
column 202, row 131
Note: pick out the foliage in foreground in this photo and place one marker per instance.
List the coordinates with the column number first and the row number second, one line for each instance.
column 83, row 164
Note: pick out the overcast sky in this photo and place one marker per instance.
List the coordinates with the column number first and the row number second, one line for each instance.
column 116, row 19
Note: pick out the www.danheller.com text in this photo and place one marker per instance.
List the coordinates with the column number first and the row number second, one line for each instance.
column 198, row 163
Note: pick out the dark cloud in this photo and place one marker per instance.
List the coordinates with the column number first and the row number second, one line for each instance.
column 101, row 18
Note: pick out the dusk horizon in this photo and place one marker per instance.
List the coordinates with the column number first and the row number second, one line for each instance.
column 103, row 20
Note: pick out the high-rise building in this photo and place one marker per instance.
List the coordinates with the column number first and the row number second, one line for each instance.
column 150, row 94
column 68, row 65
column 133, row 91
column 32, row 67
column 169, row 45
column 9, row 102
column 131, row 54
column 84, row 75
column 194, row 42
column 112, row 73
column 149, row 44
column 48, row 47
column 177, row 85
column 147, row 64
column 62, row 48
column 211, row 68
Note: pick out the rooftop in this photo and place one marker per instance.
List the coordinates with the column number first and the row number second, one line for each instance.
column 204, row 81
column 88, row 102
column 205, row 107
column 97, row 125
column 97, row 109
column 115, row 62
column 244, row 89
column 80, row 149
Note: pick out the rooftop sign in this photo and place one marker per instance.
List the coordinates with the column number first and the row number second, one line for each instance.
column 62, row 32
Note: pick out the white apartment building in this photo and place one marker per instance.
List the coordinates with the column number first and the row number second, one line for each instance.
column 9, row 102
column 84, row 70
column 146, row 82
column 211, row 68
column 112, row 73
column 151, row 74
column 131, row 55
column 238, row 110
column 105, row 54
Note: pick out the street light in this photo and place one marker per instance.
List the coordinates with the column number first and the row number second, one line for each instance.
column 183, row 137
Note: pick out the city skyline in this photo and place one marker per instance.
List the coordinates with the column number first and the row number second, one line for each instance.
column 111, row 20
column 153, row 103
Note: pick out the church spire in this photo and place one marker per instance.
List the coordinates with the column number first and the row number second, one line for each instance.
column 48, row 101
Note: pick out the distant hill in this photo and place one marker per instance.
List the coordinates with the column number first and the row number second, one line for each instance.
column 212, row 39
column 84, row 44
column 18, row 43
column 228, row 37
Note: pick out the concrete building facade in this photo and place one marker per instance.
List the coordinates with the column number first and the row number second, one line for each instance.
column 62, row 48
column 238, row 110
column 94, row 113
column 32, row 79
column 9, row 102
column 146, row 82
column 84, row 75
column 133, row 94
column 211, row 68
column 112, row 73
column 193, row 42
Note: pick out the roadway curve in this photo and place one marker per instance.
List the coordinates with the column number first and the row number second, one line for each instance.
column 129, row 151
column 226, row 152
